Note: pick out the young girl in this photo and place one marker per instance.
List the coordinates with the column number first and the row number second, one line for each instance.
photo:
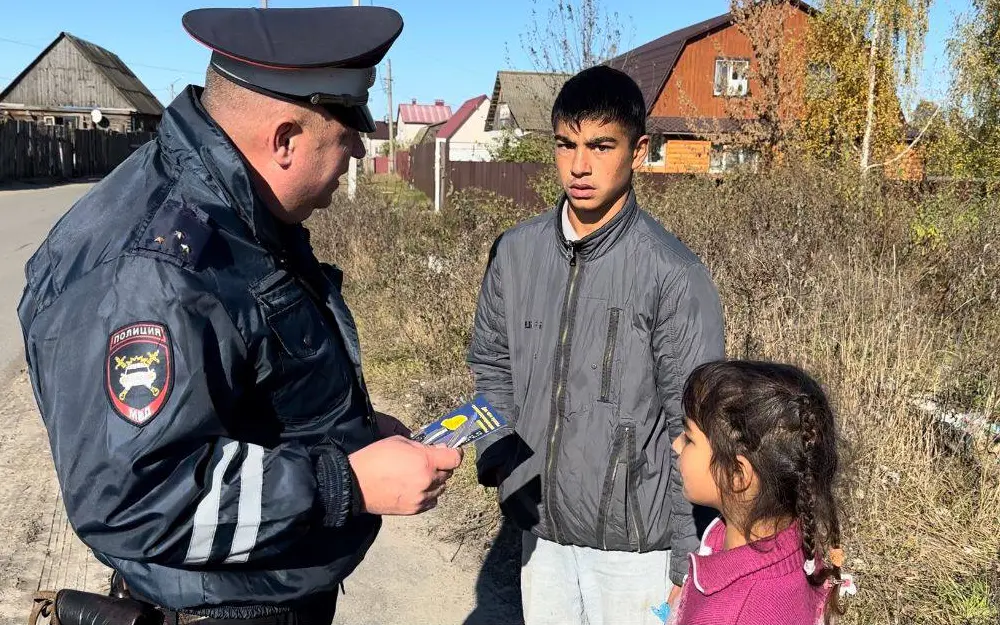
column 759, row 446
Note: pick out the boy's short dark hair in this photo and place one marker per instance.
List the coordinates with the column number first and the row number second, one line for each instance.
column 603, row 94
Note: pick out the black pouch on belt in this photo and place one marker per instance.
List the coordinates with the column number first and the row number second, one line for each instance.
column 75, row 607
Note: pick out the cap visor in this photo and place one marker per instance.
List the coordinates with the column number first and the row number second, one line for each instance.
column 356, row 117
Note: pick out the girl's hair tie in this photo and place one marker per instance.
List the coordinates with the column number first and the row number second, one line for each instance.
column 846, row 586
column 810, row 566
column 837, row 557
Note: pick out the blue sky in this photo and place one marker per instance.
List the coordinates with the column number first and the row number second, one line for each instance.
column 446, row 49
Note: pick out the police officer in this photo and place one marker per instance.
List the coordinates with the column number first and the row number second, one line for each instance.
column 196, row 367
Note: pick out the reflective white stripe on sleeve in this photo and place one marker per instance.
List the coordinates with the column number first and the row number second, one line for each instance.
column 251, row 493
column 206, row 516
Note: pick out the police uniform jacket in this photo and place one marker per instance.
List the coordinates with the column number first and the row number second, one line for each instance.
column 199, row 376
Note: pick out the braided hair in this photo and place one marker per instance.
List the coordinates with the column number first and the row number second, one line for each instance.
column 778, row 418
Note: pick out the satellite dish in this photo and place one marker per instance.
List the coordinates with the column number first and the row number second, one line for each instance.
column 96, row 115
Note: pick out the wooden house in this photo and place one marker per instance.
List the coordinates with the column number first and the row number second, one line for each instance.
column 77, row 84
column 687, row 77
column 690, row 79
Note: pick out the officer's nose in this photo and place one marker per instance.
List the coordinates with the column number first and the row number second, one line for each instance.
column 358, row 148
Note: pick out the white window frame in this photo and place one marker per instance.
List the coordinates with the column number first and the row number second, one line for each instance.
column 728, row 82
column 504, row 118
column 724, row 159
column 49, row 120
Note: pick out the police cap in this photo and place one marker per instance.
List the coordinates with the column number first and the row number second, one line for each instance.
column 324, row 55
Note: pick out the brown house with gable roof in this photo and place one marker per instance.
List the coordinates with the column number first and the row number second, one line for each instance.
column 686, row 78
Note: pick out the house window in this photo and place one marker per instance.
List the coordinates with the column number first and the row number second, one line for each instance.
column 504, row 118
column 656, row 155
column 725, row 158
column 49, row 120
column 732, row 77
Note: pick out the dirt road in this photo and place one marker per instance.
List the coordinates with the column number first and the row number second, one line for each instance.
column 408, row 576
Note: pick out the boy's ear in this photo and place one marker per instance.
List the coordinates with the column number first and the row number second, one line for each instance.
column 640, row 151
column 744, row 478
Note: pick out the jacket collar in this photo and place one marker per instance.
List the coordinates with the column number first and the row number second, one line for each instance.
column 187, row 131
column 597, row 243
column 713, row 568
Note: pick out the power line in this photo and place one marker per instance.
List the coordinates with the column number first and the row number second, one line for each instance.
column 166, row 69
column 21, row 43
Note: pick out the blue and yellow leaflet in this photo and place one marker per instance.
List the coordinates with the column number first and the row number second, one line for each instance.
column 463, row 425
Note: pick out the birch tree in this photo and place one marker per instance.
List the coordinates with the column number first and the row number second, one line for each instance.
column 865, row 53
column 566, row 37
column 975, row 54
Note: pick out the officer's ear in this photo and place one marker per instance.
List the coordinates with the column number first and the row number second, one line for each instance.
column 283, row 141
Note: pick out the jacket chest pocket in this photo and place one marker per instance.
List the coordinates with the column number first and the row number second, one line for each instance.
column 609, row 363
column 305, row 367
column 597, row 350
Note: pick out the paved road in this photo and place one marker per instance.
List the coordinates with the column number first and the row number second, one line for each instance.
column 26, row 216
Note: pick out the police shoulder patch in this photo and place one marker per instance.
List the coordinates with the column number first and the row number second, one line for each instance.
column 139, row 370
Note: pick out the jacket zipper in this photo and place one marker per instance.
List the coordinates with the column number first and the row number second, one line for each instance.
column 560, row 392
column 632, row 493
column 624, row 445
column 608, row 491
column 609, row 353
column 614, row 476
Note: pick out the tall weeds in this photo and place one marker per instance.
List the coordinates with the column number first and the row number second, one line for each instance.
column 887, row 294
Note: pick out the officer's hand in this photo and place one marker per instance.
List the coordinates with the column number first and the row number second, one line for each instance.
column 398, row 476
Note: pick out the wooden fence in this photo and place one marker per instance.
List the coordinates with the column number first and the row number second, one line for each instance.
column 30, row 150
column 509, row 180
column 380, row 164
column 422, row 168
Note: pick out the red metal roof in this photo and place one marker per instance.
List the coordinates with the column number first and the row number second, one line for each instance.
column 424, row 113
column 461, row 116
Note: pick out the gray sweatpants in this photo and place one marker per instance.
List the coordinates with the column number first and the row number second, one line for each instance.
column 567, row 585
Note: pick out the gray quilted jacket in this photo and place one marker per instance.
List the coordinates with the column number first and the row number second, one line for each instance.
column 585, row 346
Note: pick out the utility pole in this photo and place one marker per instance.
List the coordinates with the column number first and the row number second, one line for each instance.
column 392, row 130
column 352, row 165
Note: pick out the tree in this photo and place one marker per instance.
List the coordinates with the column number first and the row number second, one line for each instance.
column 529, row 148
column 975, row 53
column 571, row 37
column 768, row 114
column 947, row 149
column 559, row 40
column 566, row 37
column 862, row 55
column 898, row 30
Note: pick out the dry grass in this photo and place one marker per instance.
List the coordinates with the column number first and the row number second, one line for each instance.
column 886, row 294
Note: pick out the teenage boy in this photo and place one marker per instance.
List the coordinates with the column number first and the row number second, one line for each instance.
column 589, row 320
